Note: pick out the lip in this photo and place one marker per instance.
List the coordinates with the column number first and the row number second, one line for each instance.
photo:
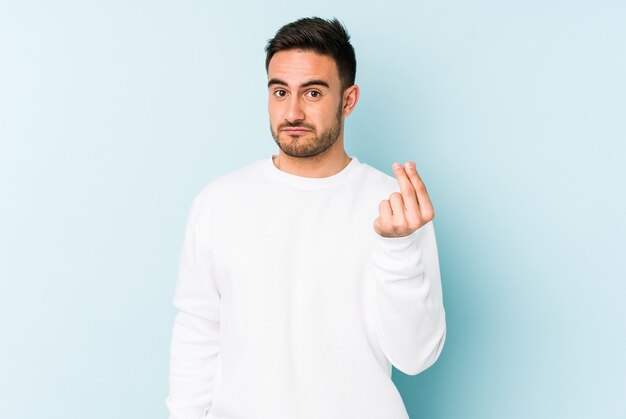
column 296, row 130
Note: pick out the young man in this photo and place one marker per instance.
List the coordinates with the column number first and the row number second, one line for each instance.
column 304, row 276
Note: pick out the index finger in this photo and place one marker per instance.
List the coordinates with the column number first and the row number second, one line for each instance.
column 423, row 199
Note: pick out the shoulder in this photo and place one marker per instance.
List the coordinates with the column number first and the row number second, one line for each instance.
column 232, row 182
column 378, row 180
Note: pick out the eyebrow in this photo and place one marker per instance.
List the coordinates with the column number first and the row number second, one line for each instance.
column 307, row 84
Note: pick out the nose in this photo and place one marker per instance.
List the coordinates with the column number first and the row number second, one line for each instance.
column 295, row 112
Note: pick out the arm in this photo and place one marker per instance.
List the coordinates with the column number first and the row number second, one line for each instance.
column 194, row 346
column 410, row 319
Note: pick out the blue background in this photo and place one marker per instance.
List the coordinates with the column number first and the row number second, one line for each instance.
column 113, row 115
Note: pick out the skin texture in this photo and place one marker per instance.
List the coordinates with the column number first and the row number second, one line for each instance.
column 304, row 91
column 321, row 109
column 407, row 210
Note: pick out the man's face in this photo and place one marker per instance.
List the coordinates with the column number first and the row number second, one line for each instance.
column 305, row 102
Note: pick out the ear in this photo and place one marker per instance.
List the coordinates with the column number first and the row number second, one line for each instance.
column 350, row 98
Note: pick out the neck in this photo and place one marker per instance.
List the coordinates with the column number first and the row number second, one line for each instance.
column 328, row 163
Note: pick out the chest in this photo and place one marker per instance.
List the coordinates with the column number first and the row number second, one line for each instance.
column 307, row 246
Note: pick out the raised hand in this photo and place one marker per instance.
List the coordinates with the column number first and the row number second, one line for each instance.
column 405, row 211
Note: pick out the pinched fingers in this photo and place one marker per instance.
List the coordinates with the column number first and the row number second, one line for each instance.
column 405, row 211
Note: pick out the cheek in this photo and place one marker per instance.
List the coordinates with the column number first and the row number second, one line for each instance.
column 323, row 115
column 275, row 110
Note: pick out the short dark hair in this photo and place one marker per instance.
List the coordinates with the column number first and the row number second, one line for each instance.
column 326, row 37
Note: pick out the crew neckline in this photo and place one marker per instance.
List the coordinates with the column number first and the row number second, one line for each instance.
column 303, row 182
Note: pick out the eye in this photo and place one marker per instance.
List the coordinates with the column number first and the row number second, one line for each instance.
column 314, row 94
column 280, row 93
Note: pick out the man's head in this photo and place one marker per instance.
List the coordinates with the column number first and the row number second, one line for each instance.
column 311, row 68
column 325, row 37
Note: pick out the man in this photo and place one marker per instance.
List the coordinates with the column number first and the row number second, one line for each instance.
column 304, row 276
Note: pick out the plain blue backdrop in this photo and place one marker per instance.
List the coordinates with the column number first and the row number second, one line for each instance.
column 113, row 115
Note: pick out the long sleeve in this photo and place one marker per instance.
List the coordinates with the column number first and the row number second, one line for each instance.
column 195, row 345
column 410, row 317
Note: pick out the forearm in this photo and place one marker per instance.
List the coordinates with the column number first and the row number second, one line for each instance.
column 410, row 317
column 193, row 361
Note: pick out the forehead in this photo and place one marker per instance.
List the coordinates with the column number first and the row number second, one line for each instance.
column 297, row 66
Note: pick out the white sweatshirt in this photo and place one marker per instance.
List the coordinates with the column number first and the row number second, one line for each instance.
column 291, row 306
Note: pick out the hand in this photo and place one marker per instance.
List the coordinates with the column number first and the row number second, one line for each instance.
column 404, row 212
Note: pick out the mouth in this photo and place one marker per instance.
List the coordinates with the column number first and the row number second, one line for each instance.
column 296, row 131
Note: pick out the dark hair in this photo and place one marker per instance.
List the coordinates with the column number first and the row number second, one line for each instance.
column 326, row 37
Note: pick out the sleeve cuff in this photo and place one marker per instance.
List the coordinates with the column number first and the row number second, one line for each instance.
column 396, row 244
column 397, row 257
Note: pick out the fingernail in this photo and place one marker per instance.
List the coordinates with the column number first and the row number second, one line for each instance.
column 397, row 166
